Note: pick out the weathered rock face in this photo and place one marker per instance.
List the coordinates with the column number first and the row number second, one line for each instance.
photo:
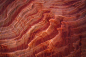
column 42, row 28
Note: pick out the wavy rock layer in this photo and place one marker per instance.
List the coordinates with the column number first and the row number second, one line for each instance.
column 42, row 28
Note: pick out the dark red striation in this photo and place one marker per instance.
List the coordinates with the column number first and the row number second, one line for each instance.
column 42, row 28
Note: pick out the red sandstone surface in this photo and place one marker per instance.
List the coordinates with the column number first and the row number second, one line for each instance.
column 42, row 28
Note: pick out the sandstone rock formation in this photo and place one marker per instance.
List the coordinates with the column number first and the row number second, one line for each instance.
column 42, row 28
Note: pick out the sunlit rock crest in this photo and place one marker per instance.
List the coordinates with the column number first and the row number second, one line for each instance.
column 42, row 28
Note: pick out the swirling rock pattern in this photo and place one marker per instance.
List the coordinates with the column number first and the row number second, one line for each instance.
column 42, row 28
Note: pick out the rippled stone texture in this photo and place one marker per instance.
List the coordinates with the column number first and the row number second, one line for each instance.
column 42, row 28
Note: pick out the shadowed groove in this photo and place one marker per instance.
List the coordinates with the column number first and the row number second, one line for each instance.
column 7, row 2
